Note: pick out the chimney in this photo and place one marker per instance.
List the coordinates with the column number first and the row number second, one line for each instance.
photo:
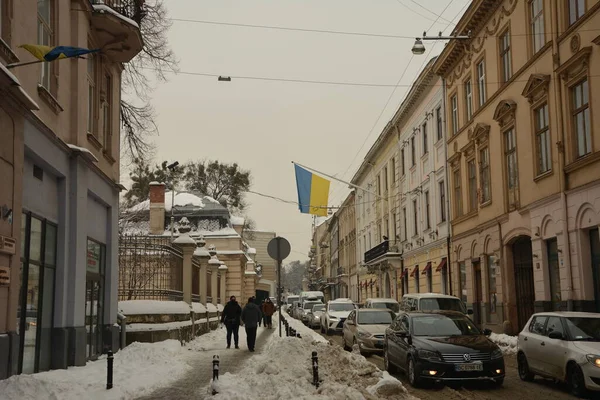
column 157, row 208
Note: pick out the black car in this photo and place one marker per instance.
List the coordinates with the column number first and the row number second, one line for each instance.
column 441, row 346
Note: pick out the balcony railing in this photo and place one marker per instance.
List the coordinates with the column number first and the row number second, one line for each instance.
column 132, row 9
column 377, row 251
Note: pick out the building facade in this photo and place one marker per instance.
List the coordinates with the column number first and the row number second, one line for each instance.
column 66, row 149
column 524, row 153
column 259, row 241
column 347, row 250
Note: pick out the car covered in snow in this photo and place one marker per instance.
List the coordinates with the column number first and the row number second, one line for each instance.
column 564, row 346
column 332, row 320
column 313, row 317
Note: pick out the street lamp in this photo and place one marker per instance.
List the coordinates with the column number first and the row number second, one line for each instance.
column 171, row 168
column 419, row 48
column 224, row 78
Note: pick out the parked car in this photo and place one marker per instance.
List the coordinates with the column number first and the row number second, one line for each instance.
column 383, row 303
column 314, row 315
column 441, row 346
column 297, row 310
column 563, row 346
column 366, row 328
column 291, row 299
column 336, row 313
column 306, row 308
column 432, row 302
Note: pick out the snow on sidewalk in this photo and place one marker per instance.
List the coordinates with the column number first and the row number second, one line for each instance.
column 508, row 344
column 283, row 370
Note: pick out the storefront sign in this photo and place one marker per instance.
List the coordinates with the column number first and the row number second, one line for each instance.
column 93, row 257
column 4, row 276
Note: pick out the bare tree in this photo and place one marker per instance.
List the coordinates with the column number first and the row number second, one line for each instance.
column 150, row 66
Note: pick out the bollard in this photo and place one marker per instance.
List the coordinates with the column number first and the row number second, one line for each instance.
column 298, row 335
column 109, row 369
column 215, row 369
column 315, row 366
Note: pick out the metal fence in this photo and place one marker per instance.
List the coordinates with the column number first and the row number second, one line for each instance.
column 149, row 269
column 133, row 9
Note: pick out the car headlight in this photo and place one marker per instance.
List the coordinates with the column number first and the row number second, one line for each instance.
column 594, row 359
column 496, row 354
column 363, row 335
column 429, row 355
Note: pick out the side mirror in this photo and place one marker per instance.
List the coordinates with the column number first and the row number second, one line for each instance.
column 555, row 335
column 487, row 332
column 470, row 311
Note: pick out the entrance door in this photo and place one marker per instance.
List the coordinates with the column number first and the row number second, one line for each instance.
column 525, row 291
column 94, row 298
column 554, row 273
column 595, row 249
column 477, row 294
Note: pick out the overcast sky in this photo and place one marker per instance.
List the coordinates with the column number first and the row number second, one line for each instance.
column 264, row 125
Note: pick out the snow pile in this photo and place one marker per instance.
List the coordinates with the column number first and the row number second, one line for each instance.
column 237, row 220
column 283, row 370
column 508, row 344
column 139, row 369
column 137, row 307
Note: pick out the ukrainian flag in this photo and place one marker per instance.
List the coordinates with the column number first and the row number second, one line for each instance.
column 47, row 53
column 313, row 192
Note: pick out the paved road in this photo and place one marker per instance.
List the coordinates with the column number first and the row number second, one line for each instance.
column 513, row 387
column 194, row 384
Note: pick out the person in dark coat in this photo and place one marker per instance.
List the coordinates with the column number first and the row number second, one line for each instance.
column 268, row 309
column 232, row 313
column 251, row 315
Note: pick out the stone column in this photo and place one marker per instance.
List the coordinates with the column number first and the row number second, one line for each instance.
column 223, row 270
column 214, row 281
column 204, row 255
column 188, row 245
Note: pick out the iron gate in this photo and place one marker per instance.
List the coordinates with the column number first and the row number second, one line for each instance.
column 525, row 290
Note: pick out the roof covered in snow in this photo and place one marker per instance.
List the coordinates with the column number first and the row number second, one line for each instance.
column 186, row 203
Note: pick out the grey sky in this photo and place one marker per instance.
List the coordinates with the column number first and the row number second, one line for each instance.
column 265, row 125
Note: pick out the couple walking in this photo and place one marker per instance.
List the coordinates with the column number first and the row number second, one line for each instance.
column 249, row 317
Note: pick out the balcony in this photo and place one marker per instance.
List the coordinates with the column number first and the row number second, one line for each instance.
column 377, row 251
column 117, row 27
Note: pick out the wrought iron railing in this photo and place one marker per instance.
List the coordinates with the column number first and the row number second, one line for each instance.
column 132, row 9
column 149, row 269
column 377, row 251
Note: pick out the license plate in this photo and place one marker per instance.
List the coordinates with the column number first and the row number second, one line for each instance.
column 468, row 367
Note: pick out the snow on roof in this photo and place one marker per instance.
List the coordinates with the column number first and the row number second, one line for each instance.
column 184, row 239
column 86, row 153
column 237, row 220
column 211, row 307
column 220, row 307
column 198, row 308
column 201, row 252
column 136, row 307
column 181, row 199
column 104, row 8
column 251, row 250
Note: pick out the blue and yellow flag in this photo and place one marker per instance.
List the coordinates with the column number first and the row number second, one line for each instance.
column 47, row 53
column 313, row 192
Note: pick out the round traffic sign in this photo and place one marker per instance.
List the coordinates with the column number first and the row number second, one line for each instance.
column 279, row 248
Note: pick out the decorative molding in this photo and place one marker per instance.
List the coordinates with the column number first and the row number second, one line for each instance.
column 583, row 161
column 536, row 87
column 50, row 99
column 574, row 65
column 454, row 160
column 7, row 53
column 469, row 149
column 481, row 133
column 94, row 141
column 596, row 40
column 505, row 112
column 575, row 43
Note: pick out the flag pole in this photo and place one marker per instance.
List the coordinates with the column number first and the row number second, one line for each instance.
column 337, row 179
column 9, row 66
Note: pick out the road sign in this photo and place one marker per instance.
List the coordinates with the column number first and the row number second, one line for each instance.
column 279, row 248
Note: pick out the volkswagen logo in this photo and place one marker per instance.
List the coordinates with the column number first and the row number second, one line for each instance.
column 467, row 357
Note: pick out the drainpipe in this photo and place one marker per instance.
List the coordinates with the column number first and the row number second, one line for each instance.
column 504, row 281
column 566, row 254
column 122, row 335
column 446, row 186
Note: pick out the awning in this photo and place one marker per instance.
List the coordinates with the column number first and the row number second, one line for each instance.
column 415, row 271
column 442, row 265
column 427, row 268
column 404, row 273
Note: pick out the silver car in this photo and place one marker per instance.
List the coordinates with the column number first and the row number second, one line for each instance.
column 366, row 328
column 313, row 317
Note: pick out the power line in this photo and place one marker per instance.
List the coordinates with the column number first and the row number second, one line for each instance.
column 428, row 10
column 414, row 11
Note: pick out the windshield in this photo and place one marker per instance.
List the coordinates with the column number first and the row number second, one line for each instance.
column 584, row 329
column 395, row 307
column 375, row 318
column 309, row 305
column 433, row 304
column 318, row 308
column 292, row 299
column 442, row 325
column 341, row 307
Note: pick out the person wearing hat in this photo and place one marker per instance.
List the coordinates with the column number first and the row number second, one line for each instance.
column 232, row 313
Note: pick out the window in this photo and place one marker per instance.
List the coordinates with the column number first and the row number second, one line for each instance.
column 581, row 118
column 469, row 99
column 463, row 282
column 536, row 12
column 413, row 153
column 454, row 105
column 429, row 280
column 458, row 209
column 491, row 267
column 379, row 234
column 425, row 147
column 554, row 273
column 402, row 162
column 505, row 61
column 442, row 201
column 427, row 212
column 472, row 185
column 555, row 325
column 393, row 171
column 385, row 179
column 91, row 78
column 438, row 119
column 379, row 185
column 481, row 82
column 107, row 117
column 45, row 36
column 510, row 158
column 417, row 284
column 405, row 282
column 394, row 233
column 386, row 224
column 542, row 139
column 404, row 220
column 576, row 10
column 484, row 174
column 538, row 325
column 415, row 219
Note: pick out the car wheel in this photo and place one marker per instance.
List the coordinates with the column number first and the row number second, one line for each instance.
column 389, row 367
column 576, row 381
column 524, row 373
column 413, row 377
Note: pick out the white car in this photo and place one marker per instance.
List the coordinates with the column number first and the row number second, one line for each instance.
column 336, row 313
column 563, row 346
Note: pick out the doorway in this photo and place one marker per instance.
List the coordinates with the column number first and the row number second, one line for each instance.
column 595, row 250
column 94, row 298
column 554, row 274
column 524, row 287
column 477, row 293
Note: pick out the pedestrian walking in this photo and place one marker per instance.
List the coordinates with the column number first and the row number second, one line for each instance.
column 232, row 313
column 251, row 316
column 268, row 309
